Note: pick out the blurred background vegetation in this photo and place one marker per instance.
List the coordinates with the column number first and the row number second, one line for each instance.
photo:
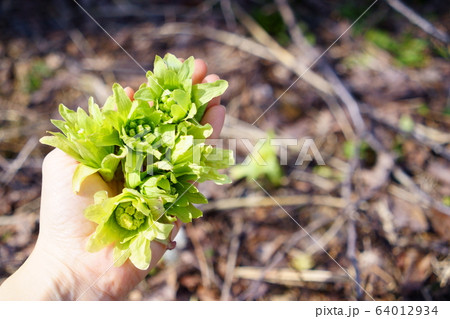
column 376, row 103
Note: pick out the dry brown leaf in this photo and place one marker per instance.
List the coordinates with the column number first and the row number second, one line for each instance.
column 440, row 224
column 408, row 215
column 415, row 267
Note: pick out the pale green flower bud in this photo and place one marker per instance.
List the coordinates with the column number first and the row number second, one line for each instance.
column 128, row 217
column 140, row 132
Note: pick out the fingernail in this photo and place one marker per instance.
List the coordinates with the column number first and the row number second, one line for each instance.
column 171, row 245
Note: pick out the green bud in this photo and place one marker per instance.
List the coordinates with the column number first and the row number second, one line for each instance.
column 119, row 210
column 138, row 215
column 130, row 210
column 166, row 101
column 138, row 129
column 128, row 217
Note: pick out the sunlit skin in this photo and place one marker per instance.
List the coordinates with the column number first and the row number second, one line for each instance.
column 59, row 266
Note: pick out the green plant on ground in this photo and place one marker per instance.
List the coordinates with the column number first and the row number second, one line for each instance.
column 261, row 164
column 407, row 50
column 37, row 73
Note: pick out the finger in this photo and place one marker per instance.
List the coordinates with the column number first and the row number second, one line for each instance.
column 215, row 115
column 210, row 79
column 58, row 169
column 173, row 233
column 59, row 159
column 159, row 249
column 200, row 70
column 175, row 229
column 129, row 92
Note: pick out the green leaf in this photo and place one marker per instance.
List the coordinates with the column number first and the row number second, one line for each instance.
column 197, row 198
column 147, row 94
column 109, row 104
column 132, row 168
column 104, row 235
column 194, row 211
column 261, row 163
column 406, row 123
column 83, row 120
column 182, row 146
column 197, row 131
column 185, row 214
column 120, row 254
column 61, row 125
column 94, row 111
column 186, row 70
column 101, row 211
column 110, row 163
column 349, row 149
column 167, row 134
column 81, row 172
column 59, row 141
column 140, row 253
column 172, row 62
column 178, row 112
column 164, row 184
column 164, row 165
column 163, row 230
column 123, row 102
column 159, row 68
column 170, row 79
column 108, row 138
column 67, row 114
column 181, row 212
column 205, row 92
column 182, row 98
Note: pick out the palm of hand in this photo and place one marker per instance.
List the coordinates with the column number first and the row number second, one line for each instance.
column 65, row 231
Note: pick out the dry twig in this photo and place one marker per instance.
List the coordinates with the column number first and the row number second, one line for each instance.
column 284, row 56
column 231, row 261
column 415, row 134
column 419, row 21
column 353, row 109
column 252, row 291
column 228, row 38
column 290, row 277
column 19, row 161
column 205, row 271
column 261, row 201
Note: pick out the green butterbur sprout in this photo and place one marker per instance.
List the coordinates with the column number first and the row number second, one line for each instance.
column 155, row 146
column 262, row 163
column 128, row 217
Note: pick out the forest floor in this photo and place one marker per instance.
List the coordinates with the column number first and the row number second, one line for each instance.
column 373, row 222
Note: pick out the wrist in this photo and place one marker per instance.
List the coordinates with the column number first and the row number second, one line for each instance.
column 41, row 277
column 70, row 278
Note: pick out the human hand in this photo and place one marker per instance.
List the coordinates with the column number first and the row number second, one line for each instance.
column 59, row 266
